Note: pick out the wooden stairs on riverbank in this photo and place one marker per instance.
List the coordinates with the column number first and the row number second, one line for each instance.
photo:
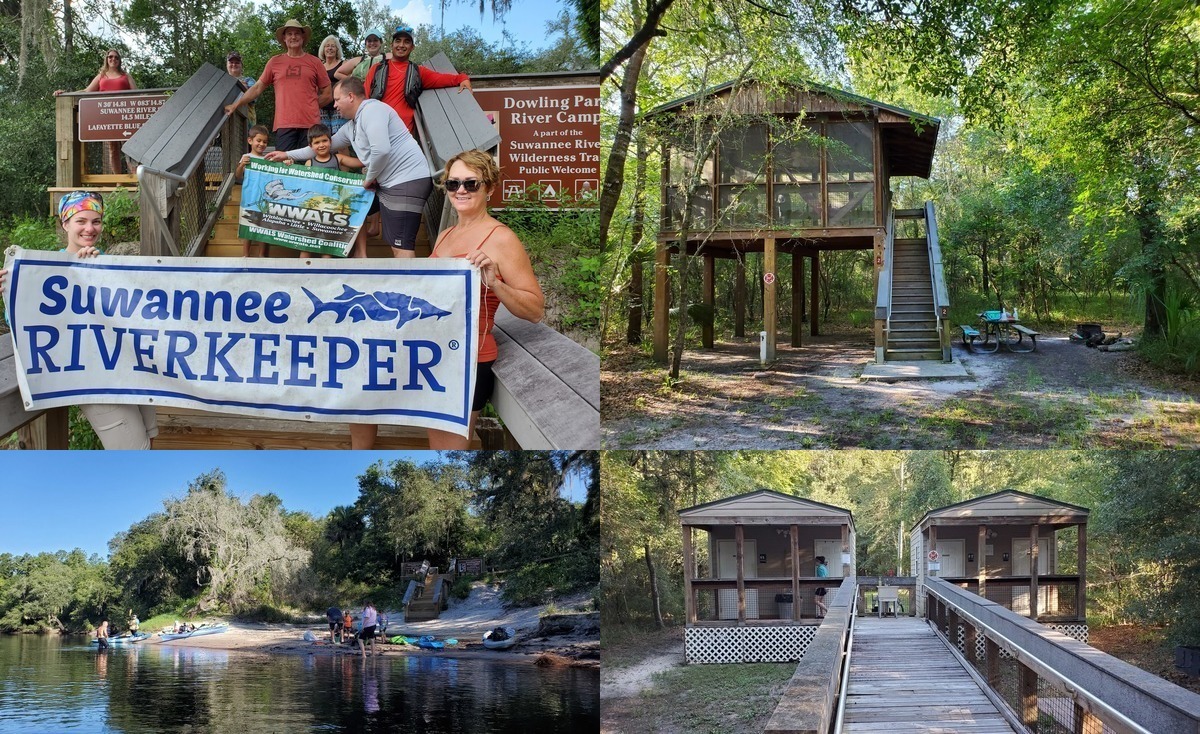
column 913, row 333
column 429, row 600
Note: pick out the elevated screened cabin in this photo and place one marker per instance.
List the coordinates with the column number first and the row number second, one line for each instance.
column 798, row 170
column 1005, row 547
column 761, row 607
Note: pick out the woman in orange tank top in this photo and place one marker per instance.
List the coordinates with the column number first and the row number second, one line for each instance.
column 112, row 77
column 506, row 273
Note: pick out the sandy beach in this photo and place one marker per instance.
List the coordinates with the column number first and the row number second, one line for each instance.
column 465, row 620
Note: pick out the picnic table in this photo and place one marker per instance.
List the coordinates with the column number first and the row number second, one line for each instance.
column 997, row 329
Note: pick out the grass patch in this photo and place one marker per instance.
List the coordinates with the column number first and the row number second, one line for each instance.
column 710, row 698
column 976, row 422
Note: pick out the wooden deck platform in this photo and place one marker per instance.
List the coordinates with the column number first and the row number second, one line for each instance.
column 904, row 679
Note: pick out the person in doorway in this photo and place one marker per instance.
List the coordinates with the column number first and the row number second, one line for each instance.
column 301, row 86
column 81, row 214
column 369, row 619
column 399, row 82
column 102, row 635
column 819, row 597
column 112, row 77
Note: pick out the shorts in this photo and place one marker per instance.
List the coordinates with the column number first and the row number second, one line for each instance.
column 401, row 208
column 368, row 633
column 485, row 383
column 122, row 426
column 335, row 626
column 291, row 138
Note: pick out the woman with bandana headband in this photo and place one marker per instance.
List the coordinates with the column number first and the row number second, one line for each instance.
column 118, row 426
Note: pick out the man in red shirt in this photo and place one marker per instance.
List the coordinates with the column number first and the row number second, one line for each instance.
column 301, row 87
column 403, row 81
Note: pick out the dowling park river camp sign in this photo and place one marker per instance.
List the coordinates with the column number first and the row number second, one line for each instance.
column 549, row 142
column 364, row 341
column 305, row 208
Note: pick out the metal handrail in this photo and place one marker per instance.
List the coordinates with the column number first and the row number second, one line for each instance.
column 844, row 682
column 937, row 274
column 1024, row 656
column 883, row 298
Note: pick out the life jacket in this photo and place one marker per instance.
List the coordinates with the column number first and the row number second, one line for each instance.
column 412, row 83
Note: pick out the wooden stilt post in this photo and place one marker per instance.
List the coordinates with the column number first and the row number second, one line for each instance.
column 814, row 297
column 796, row 601
column 662, row 301
column 739, row 298
column 710, row 300
column 981, row 559
column 1027, row 683
column 1033, row 571
column 770, row 305
column 689, row 570
column 797, row 298
column 740, row 536
column 1081, row 569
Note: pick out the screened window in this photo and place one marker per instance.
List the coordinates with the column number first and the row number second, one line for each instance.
column 850, row 173
column 742, row 177
column 796, row 165
column 682, row 167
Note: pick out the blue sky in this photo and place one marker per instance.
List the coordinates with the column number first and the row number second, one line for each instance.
column 526, row 21
column 61, row 500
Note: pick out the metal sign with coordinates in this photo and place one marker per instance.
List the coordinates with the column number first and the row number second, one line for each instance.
column 115, row 117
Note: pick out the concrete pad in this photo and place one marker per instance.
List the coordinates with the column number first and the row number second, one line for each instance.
column 914, row 370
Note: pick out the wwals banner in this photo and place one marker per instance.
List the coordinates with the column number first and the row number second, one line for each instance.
column 364, row 341
column 302, row 207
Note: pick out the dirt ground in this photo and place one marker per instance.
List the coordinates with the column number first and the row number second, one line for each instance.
column 1143, row 646
column 1063, row 395
column 465, row 621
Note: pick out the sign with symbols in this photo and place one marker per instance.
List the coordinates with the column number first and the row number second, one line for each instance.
column 768, row 278
column 550, row 142
column 109, row 117
column 934, row 556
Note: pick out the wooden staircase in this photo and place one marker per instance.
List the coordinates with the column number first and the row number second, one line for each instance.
column 913, row 332
column 429, row 601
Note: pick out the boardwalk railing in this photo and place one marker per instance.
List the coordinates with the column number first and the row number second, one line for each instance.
column 810, row 702
column 937, row 273
column 1051, row 682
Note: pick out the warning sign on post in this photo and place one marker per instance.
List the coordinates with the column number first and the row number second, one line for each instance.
column 550, row 142
column 112, row 117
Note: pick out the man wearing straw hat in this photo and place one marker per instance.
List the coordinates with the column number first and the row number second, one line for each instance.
column 301, row 87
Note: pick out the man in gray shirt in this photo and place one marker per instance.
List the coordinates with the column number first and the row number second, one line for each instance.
column 393, row 163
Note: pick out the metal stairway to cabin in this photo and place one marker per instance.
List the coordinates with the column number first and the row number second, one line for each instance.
column 914, row 330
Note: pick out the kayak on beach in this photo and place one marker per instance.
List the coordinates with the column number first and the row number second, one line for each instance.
column 427, row 642
column 198, row 632
column 494, row 640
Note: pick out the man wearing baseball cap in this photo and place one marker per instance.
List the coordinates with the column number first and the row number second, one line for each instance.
column 233, row 65
column 398, row 82
column 301, row 87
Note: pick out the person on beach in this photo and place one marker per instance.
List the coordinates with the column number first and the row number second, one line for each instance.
column 347, row 625
column 819, row 596
column 369, row 619
column 81, row 214
column 399, row 82
column 507, row 277
column 334, row 616
column 301, row 86
column 134, row 623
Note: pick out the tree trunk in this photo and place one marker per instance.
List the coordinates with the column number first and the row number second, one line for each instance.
column 614, row 173
column 1150, row 232
column 633, row 330
column 654, row 598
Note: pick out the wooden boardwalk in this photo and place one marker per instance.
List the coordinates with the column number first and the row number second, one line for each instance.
column 903, row 679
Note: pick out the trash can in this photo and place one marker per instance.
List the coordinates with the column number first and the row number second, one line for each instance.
column 784, row 603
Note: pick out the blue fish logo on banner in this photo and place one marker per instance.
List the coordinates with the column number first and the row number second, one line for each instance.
column 377, row 306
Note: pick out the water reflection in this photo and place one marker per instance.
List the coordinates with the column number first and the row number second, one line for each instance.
column 48, row 684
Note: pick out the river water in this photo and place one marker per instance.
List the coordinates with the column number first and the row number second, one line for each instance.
column 54, row 684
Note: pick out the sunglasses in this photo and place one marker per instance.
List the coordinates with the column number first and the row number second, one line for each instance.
column 114, row 56
column 471, row 184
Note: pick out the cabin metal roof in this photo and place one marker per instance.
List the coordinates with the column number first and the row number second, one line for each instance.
column 765, row 502
column 1007, row 503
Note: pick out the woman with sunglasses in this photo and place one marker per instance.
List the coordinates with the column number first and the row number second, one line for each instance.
column 112, row 77
column 81, row 214
column 507, row 276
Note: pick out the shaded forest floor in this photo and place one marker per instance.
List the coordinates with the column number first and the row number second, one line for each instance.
column 1062, row 396
column 1144, row 646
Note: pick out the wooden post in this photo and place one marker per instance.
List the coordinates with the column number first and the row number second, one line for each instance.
column 1085, row 721
column 67, row 163
column 770, row 306
column 1027, row 684
column 739, row 298
column 970, row 638
column 981, row 559
column 932, row 546
column 740, row 536
column 845, row 549
column 795, row 534
column 662, row 301
column 797, row 298
column 1081, row 569
column 880, row 238
column 992, row 650
column 689, row 571
column 1033, row 572
column 50, row 430
column 814, row 296
column 952, row 623
column 709, row 296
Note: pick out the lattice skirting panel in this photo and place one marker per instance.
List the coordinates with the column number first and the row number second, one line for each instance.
column 1074, row 630
column 757, row 644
